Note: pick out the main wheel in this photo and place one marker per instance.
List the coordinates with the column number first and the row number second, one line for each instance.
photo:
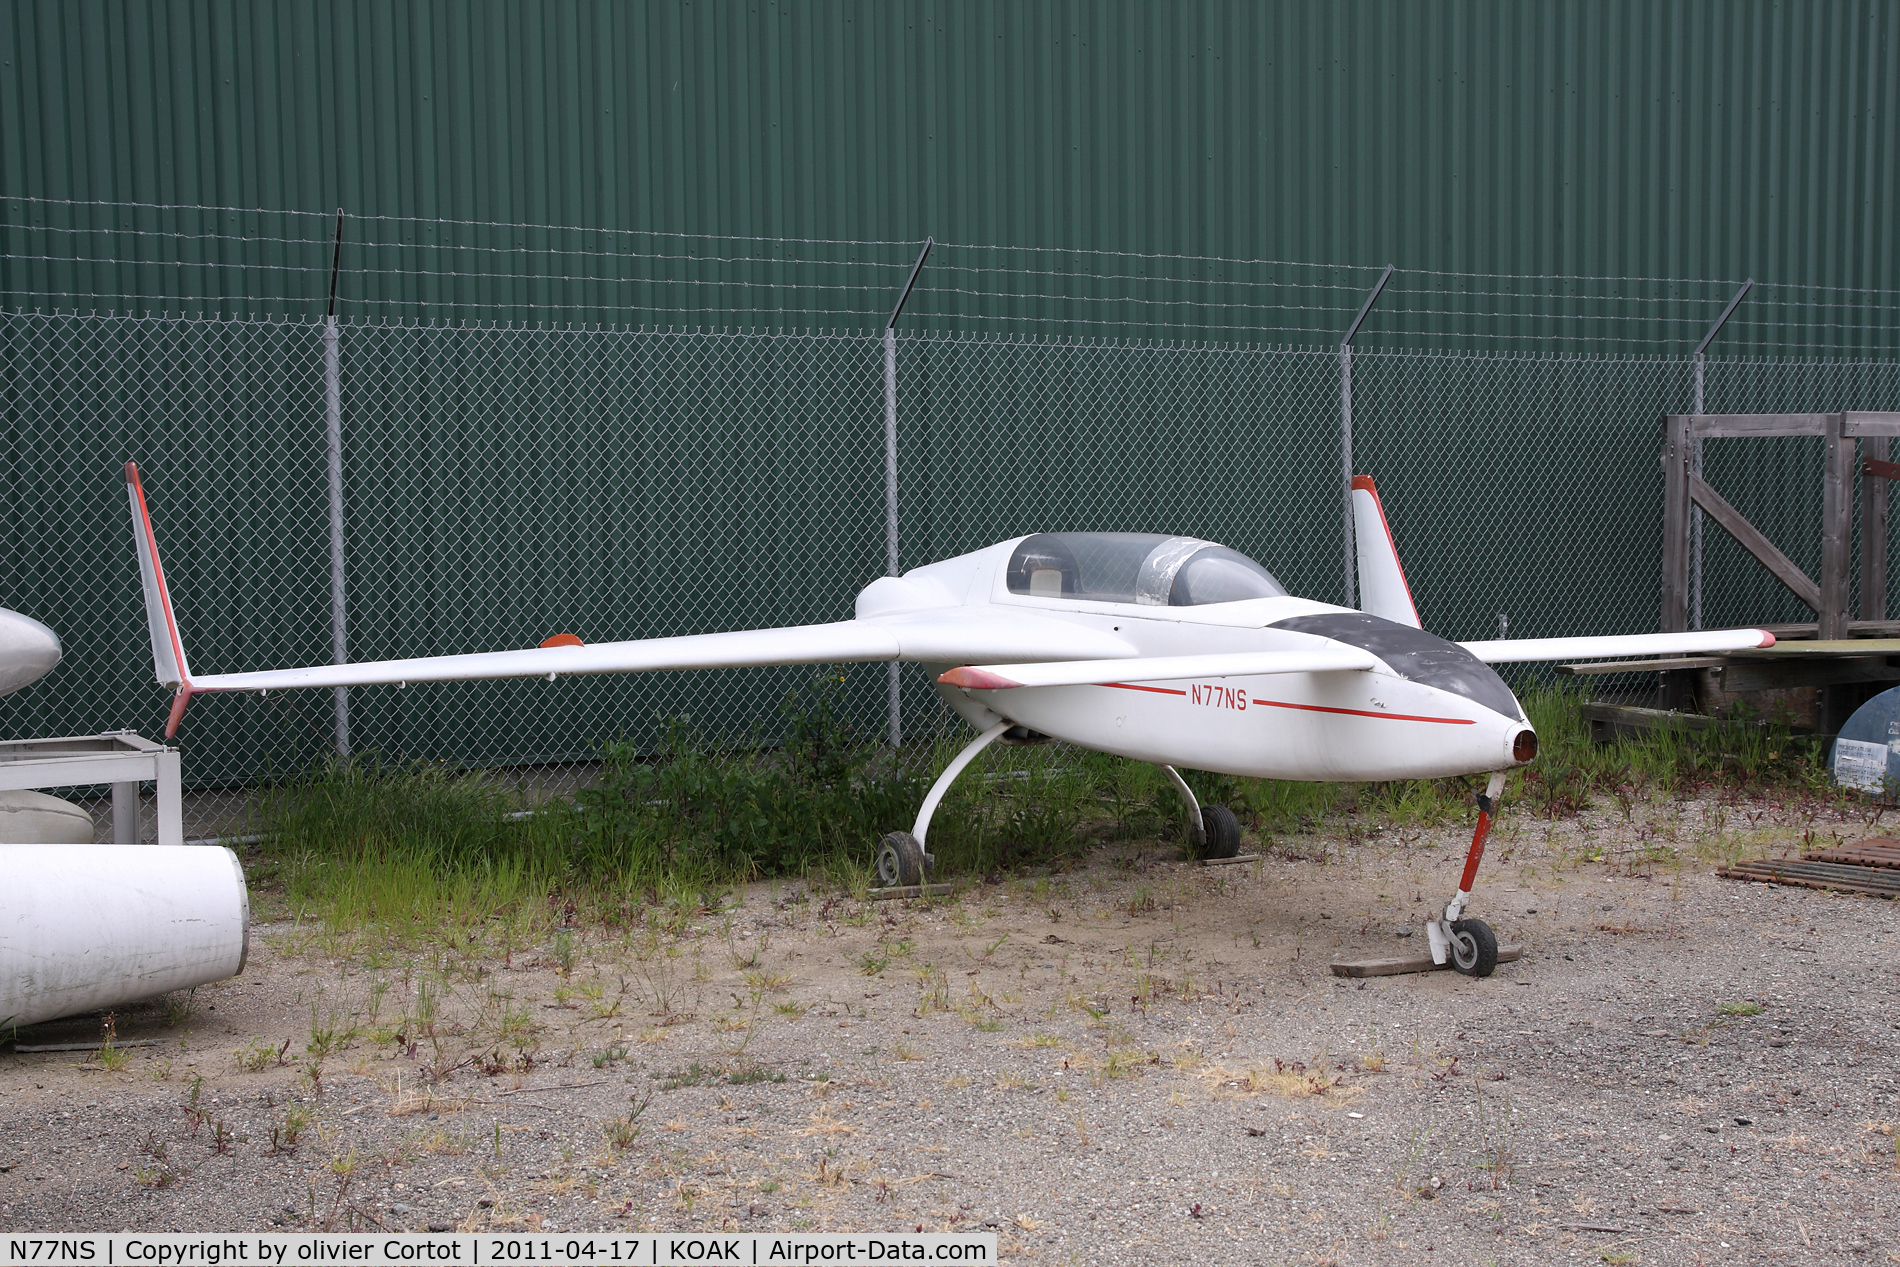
column 900, row 860
column 1474, row 948
column 1222, row 830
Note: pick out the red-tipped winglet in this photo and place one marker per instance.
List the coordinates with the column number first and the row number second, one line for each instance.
column 1767, row 639
column 977, row 679
column 179, row 701
column 168, row 649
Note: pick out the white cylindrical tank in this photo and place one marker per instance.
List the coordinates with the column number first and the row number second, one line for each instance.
column 84, row 927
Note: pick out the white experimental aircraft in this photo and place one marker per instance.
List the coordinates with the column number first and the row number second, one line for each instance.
column 1159, row 648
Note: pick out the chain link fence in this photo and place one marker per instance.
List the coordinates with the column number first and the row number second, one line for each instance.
column 506, row 482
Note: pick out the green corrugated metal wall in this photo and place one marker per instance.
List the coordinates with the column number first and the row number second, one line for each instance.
column 1711, row 139
column 1599, row 142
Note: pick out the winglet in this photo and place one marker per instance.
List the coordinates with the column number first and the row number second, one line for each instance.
column 1382, row 588
column 974, row 679
column 168, row 650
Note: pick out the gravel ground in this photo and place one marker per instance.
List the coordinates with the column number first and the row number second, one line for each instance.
column 1137, row 1060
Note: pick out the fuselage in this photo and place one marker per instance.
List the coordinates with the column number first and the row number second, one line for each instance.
column 1428, row 709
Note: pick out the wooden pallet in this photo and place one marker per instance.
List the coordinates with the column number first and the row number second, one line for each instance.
column 912, row 890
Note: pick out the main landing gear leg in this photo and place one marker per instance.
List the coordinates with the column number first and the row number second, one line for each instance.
column 1213, row 831
column 1469, row 944
column 901, row 859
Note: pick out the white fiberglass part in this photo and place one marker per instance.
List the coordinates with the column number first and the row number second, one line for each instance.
column 1324, row 659
column 1530, row 650
column 168, row 650
column 28, row 651
column 1197, row 831
column 1383, row 590
column 84, row 927
column 949, row 776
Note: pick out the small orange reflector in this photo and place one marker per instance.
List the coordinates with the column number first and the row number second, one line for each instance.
column 1524, row 747
column 562, row 640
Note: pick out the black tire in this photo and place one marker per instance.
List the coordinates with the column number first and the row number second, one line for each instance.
column 900, row 860
column 1222, row 830
column 1474, row 948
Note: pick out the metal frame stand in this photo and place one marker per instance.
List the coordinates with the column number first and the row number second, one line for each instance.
column 122, row 759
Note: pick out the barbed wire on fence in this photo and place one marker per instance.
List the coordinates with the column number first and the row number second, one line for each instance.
column 394, row 261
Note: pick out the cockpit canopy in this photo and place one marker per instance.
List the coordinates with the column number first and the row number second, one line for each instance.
column 1136, row 567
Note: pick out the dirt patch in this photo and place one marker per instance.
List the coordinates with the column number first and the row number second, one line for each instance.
column 1138, row 1058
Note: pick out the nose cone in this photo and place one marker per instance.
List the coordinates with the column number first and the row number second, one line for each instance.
column 28, row 651
column 1522, row 744
column 1416, row 656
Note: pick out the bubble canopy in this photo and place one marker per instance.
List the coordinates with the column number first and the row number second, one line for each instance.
column 1145, row 568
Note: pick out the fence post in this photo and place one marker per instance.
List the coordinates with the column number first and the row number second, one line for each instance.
column 1697, row 372
column 1345, row 462
column 333, row 446
column 890, row 476
column 1345, row 430
column 1873, row 535
column 1837, row 527
column 1678, row 444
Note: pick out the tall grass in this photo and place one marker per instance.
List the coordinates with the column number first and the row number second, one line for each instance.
column 449, row 855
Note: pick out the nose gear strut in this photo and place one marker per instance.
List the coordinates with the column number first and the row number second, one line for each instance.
column 1469, row 944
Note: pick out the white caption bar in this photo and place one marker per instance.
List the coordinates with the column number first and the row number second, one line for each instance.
column 283, row 1249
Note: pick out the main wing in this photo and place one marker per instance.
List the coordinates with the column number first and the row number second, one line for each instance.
column 1003, row 677
column 939, row 635
column 1527, row 650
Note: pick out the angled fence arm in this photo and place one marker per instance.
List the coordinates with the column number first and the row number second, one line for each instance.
column 1345, row 426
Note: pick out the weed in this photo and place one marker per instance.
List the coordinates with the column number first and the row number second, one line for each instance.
column 1497, row 1138
column 754, row 1073
column 178, row 1010
column 562, row 951
column 620, row 1132
column 194, row 1112
column 328, row 1033
column 698, row 1074
column 259, row 1056
column 1748, row 1008
column 284, row 1137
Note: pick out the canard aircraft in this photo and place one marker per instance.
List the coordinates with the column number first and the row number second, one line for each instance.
column 1158, row 648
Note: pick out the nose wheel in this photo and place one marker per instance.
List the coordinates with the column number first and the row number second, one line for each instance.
column 1469, row 945
column 1473, row 948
